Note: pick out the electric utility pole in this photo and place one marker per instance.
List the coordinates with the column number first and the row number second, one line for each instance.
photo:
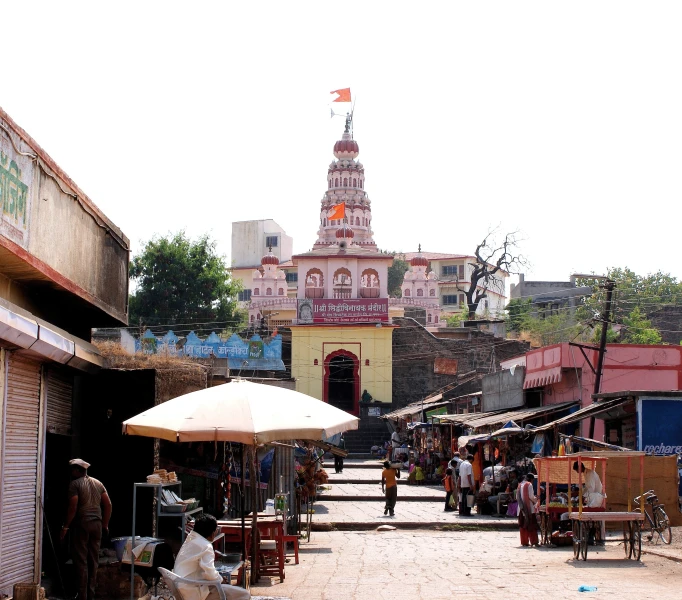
column 609, row 285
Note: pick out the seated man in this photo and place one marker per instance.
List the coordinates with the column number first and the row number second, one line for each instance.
column 196, row 561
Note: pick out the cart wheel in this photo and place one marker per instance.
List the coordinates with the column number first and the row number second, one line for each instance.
column 627, row 538
column 584, row 535
column 576, row 540
column 636, row 542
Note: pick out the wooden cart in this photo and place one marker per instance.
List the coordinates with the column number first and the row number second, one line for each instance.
column 559, row 469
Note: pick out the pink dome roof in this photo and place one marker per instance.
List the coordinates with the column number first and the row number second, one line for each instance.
column 345, row 233
column 346, row 146
column 419, row 261
column 269, row 259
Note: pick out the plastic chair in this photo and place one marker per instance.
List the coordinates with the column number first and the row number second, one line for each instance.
column 171, row 580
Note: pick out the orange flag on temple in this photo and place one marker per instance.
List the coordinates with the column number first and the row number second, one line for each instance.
column 338, row 212
column 344, row 95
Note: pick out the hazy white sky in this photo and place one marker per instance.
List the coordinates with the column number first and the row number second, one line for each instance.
column 562, row 119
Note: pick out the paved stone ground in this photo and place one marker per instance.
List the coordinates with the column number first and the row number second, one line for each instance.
column 431, row 565
column 423, row 513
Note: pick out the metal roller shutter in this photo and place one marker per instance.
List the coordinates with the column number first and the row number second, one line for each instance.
column 59, row 401
column 20, row 460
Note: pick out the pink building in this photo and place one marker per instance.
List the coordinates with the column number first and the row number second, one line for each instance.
column 563, row 373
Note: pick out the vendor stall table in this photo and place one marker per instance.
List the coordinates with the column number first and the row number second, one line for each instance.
column 587, row 519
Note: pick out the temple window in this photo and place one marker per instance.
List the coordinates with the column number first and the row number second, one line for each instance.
column 407, row 293
column 325, row 221
column 280, row 292
column 256, row 292
column 345, row 182
column 420, row 292
column 432, row 292
column 357, row 220
column 428, row 318
column 336, row 182
column 268, row 292
column 355, row 182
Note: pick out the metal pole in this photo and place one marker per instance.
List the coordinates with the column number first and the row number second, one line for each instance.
column 242, row 501
column 132, row 545
column 609, row 285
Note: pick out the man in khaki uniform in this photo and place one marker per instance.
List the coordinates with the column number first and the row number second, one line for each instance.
column 87, row 516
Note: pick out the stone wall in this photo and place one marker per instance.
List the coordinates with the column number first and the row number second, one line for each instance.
column 415, row 351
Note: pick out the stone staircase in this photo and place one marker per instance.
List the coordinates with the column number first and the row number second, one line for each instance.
column 371, row 431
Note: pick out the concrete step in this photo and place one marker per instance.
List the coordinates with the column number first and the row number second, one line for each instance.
column 330, row 497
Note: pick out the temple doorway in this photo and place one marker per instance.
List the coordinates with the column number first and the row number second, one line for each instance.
column 341, row 381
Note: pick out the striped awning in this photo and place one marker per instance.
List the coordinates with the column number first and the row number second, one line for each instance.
column 540, row 378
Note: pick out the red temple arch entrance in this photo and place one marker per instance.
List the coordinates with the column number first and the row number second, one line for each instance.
column 342, row 381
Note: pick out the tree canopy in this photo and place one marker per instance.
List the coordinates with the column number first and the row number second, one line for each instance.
column 179, row 280
column 396, row 274
column 635, row 298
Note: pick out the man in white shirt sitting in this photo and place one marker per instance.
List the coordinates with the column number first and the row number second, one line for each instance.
column 196, row 561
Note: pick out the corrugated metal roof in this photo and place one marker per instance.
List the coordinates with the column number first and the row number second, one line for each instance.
column 476, row 421
column 588, row 411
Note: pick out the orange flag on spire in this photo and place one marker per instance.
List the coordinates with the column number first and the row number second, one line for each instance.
column 338, row 212
column 344, row 95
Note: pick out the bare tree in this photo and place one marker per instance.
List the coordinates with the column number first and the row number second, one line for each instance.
column 491, row 258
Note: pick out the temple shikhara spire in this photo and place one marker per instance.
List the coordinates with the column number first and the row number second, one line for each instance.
column 346, row 211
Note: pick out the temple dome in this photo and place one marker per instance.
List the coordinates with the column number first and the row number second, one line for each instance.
column 269, row 259
column 346, row 147
column 419, row 261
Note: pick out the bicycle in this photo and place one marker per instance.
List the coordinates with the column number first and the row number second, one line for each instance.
column 658, row 519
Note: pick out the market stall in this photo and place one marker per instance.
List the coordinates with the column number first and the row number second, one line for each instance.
column 586, row 512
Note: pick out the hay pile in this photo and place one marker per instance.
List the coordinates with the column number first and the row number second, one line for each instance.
column 175, row 375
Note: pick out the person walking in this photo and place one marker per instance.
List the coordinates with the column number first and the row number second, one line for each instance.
column 389, row 486
column 338, row 460
column 87, row 516
column 466, row 485
column 528, row 523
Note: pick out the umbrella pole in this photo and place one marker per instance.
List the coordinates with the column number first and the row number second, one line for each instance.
column 254, row 517
column 243, row 502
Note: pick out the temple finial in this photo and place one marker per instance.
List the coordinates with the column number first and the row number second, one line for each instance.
column 420, row 248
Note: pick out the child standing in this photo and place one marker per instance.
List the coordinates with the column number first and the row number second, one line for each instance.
column 447, row 482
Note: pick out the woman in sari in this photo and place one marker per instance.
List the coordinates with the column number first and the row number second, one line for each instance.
column 528, row 524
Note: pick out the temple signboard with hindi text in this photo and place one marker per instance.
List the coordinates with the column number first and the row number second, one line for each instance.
column 313, row 310
column 16, row 178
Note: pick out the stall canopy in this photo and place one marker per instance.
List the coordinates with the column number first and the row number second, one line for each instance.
column 589, row 411
column 477, row 421
column 416, row 407
column 560, row 469
column 509, row 428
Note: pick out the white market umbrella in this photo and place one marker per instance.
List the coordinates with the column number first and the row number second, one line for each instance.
column 244, row 412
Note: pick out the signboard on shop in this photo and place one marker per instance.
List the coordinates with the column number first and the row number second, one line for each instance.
column 659, row 425
column 326, row 310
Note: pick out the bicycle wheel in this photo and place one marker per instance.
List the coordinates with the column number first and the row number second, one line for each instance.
column 576, row 539
column 627, row 538
column 584, row 535
column 663, row 525
column 636, row 541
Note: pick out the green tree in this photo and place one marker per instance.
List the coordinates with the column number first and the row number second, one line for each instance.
column 179, row 280
column 396, row 274
column 638, row 329
column 518, row 312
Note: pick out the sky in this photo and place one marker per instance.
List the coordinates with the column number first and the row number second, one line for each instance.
column 559, row 120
